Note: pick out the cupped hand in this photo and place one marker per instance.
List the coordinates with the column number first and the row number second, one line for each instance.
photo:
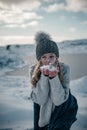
column 53, row 73
column 50, row 72
column 45, row 71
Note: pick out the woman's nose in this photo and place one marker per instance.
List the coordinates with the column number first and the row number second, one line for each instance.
column 48, row 61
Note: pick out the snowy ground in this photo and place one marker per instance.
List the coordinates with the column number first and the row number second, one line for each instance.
column 16, row 110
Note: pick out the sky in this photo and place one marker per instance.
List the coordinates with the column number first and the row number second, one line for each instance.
column 20, row 20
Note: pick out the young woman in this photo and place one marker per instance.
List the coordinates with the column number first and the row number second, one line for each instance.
column 55, row 108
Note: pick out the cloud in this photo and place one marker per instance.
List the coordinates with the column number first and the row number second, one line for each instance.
column 15, row 13
column 54, row 7
column 72, row 29
column 62, row 17
column 71, row 5
column 77, row 5
column 17, row 17
column 20, row 4
column 84, row 23
column 24, row 25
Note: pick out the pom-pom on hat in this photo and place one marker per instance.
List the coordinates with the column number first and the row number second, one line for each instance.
column 44, row 45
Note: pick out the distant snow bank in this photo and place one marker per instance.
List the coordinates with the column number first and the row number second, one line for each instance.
column 12, row 56
column 73, row 46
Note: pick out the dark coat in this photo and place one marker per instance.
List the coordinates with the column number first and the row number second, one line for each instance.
column 63, row 115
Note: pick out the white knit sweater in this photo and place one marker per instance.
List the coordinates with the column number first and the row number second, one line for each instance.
column 49, row 93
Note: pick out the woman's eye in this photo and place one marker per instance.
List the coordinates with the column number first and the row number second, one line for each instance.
column 43, row 57
column 51, row 56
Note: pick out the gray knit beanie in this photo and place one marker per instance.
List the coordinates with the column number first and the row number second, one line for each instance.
column 44, row 45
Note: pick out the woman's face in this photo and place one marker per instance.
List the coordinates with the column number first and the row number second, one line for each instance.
column 48, row 58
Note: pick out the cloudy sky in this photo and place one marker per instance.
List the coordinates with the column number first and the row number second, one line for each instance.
column 62, row 19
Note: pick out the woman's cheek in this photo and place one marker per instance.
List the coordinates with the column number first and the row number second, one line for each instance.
column 53, row 61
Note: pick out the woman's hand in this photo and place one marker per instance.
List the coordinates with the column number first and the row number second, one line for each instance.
column 49, row 70
column 53, row 73
column 45, row 70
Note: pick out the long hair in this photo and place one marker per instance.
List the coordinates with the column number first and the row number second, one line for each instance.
column 37, row 73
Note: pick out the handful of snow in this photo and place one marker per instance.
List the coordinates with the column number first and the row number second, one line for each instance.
column 49, row 67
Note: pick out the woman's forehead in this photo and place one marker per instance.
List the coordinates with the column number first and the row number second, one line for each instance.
column 49, row 54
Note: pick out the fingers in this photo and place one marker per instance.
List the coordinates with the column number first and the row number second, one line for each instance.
column 49, row 73
column 45, row 71
column 53, row 73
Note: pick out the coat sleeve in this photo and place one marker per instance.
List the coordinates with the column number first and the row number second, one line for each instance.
column 60, row 92
column 39, row 93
